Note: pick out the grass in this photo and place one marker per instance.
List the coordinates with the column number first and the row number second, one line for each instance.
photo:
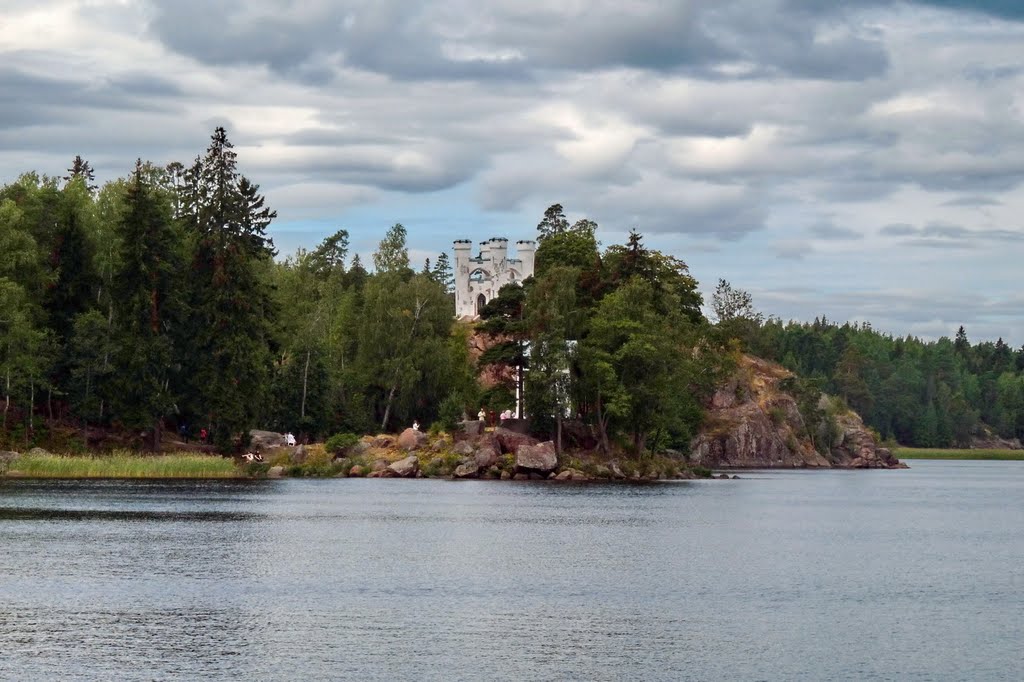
column 943, row 453
column 123, row 464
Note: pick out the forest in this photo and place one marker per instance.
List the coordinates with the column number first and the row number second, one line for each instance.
column 158, row 302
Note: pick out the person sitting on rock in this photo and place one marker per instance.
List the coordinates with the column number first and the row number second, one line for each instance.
column 415, row 425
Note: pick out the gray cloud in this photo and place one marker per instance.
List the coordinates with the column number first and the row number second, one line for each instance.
column 830, row 232
column 462, row 39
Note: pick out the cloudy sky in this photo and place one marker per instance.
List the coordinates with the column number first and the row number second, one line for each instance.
column 862, row 162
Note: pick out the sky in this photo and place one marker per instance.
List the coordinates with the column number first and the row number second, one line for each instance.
column 861, row 160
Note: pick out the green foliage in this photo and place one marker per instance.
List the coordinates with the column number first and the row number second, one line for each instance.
column 340, row 442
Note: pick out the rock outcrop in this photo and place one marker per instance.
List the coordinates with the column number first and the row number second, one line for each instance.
column 511, row 441
column 264, row 440
column 753, row 423
column 539, row 457
column 404, row 468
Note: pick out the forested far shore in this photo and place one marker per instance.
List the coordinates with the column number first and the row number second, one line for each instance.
column 158, row 301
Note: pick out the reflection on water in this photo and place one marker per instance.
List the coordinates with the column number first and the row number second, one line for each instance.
column 782, row 575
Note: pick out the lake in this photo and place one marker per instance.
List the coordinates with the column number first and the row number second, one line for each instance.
column 792, row 575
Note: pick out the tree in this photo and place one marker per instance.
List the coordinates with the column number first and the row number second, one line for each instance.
column 552, row 223
column 147, row 285
column 80, row 168
column 442, row 273
column 231, row 326
column 551, row 312
column 392, row 254
column 503, row 321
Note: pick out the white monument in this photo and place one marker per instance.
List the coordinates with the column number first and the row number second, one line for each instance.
column 478, row 278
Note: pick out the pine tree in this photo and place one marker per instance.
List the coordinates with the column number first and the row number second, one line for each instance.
column 80, row 168
column 442, row 273
column 553, row 222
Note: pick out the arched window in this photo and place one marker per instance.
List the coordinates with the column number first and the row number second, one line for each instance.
column 481, row 301
column 478, row 275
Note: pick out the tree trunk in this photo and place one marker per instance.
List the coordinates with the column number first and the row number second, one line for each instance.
column 602, row 426
column 394, row 382
column 7, row 392
column 31, row 404
column 558, row 430
column 158, row 429
column 305, row 382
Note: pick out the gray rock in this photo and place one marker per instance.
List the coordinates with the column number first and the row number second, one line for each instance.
column 486, row 456
column 379, row 465
column 266, row 439
column 467, row 470
column 539, row 457
column 464, row 448
column 275, row 472
column 8, row 456
column 472, row 428
column 405, row 468
column 298, row 455
column 357, row 471
column 38, row 452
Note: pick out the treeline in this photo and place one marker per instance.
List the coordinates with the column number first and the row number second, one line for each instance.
column 156, row 302
column 920, row 393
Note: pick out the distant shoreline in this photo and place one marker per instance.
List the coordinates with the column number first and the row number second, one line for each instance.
column 961, row 454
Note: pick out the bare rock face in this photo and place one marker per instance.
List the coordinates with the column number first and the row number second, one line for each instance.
column 539, row 457
column 752, row 423
column 405, row 468
column 412, row 439
column 857, row 448
column 510, row 441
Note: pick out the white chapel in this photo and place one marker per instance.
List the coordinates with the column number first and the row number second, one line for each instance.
column 478, row 278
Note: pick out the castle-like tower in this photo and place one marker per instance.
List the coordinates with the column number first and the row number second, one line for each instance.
column 478, row 279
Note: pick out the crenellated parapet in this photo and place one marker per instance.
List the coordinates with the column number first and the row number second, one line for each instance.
column 479, row 278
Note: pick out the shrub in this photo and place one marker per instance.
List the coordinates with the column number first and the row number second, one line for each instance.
column 340, row 442
column 701, row 472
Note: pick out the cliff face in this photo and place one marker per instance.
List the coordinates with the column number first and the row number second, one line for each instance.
column 752, row 423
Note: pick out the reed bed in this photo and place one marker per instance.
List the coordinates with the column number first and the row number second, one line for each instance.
column 950, row 453
column 124, row 464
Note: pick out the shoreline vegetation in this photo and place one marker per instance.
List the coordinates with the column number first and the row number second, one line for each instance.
column 979, row 454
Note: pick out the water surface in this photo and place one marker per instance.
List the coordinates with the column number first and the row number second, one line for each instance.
column 795, row 575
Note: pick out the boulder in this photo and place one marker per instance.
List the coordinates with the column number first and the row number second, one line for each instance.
column 298, row 454
column 467, row 470
column 264, row 440
column 275, row 472
column 377, row 474
column 379, row 465
column 510, row 441
column 463, row 448
column 506, row 475
column 412, row 439
column 539, row 457
column 486, row 456
column 521, row 477
column 405, row 468
column 472, row 428
column 38, row 452
column 617, row 471
column 357, row 471
column 494, row 472
column 7, row 456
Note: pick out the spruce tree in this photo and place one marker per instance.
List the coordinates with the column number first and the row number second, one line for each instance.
column 232, row 311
